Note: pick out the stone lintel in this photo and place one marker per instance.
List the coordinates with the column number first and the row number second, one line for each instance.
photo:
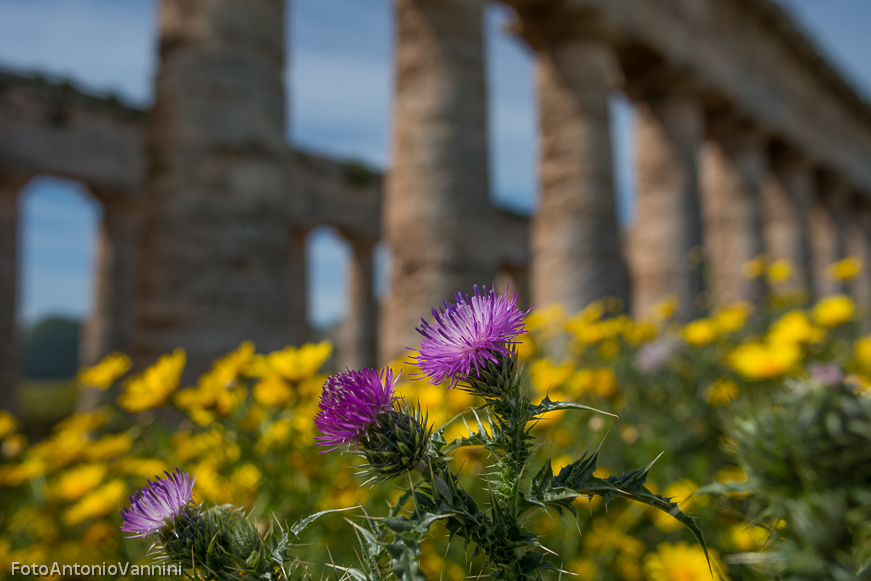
column 748, row 54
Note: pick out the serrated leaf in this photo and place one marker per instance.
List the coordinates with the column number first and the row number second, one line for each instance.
column 301, row 525
column 548, row 405
column 475, row 439
column 577, row 479
column 541, row 482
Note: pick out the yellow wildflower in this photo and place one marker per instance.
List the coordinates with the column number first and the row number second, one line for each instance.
column 216, row 390
column 273, row 391
column 234, row 364
column 526, row 347
column 639, row 333
column 142, row 467
column 794, row 327
column 845, row 270
column 210, row 485
column 153, row 386
column 101, row 502
column 757, row 361
column 584, row 568
column 605, row 537
column 81, row 423
column 109, row 446
column 862, row 350
column 834, row 310
column 76, row 482
column 665, row 308
column 15, row 474
column 779, row 271
column 700, row 333
column 7, row 423
column 245, row 480
column 100, row 535
column 680, row 492
column 13, row 444
column 541, row 319
column 590, row 331
column 104, row 373
column 547, row 375
column 36, row 523
column 62, row 448
column 754, row 268
column 276, row 435
column 293, row 363
column 721, row 392
column 682, row 562
column 188, row 446
column 733, row 318
column 732, row 474
column 609, row 349
column 748, row 537
column 601, row 382
column 432, row 565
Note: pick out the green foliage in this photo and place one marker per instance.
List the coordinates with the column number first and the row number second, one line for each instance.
column 51, row 349
column 807, row 454
column 500, row 533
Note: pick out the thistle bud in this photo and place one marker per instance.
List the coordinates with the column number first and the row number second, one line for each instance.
column 396, row 442
column 358, row 411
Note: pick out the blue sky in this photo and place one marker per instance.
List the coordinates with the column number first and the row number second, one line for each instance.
column 339, row 75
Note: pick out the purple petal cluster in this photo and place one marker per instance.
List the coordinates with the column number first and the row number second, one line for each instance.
column 468, row 333
column 158, row 502
column 350, row 402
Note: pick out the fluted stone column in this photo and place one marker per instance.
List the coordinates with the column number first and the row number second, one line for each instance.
column 666, row 241
column 215, row 267
column 576, row 255
column 859, row 245
column 10, row 360
column 515, row 279
column 361, row 322
column 110, row 325
column 787, row 193
column 438, row 221
column 828, row 233
column 733, row 165
column 298, row 293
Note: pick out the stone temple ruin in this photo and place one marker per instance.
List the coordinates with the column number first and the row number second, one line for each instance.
column 747, row 142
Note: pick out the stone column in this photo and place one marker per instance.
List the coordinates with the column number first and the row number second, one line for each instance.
column 361, row 322
column 438, row 221
column 666, row 240
column 10, row 358
column 733, row 165
column 575, row 242
column 297, row 239
column 514, row 278
column 215, row 266
column 859, row 244
column 828, row 223
column 110, row 325
column 787, row 193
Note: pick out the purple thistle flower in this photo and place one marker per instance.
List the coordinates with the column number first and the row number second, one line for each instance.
column 467, row 334
column 350, row 403
column 158, row 502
